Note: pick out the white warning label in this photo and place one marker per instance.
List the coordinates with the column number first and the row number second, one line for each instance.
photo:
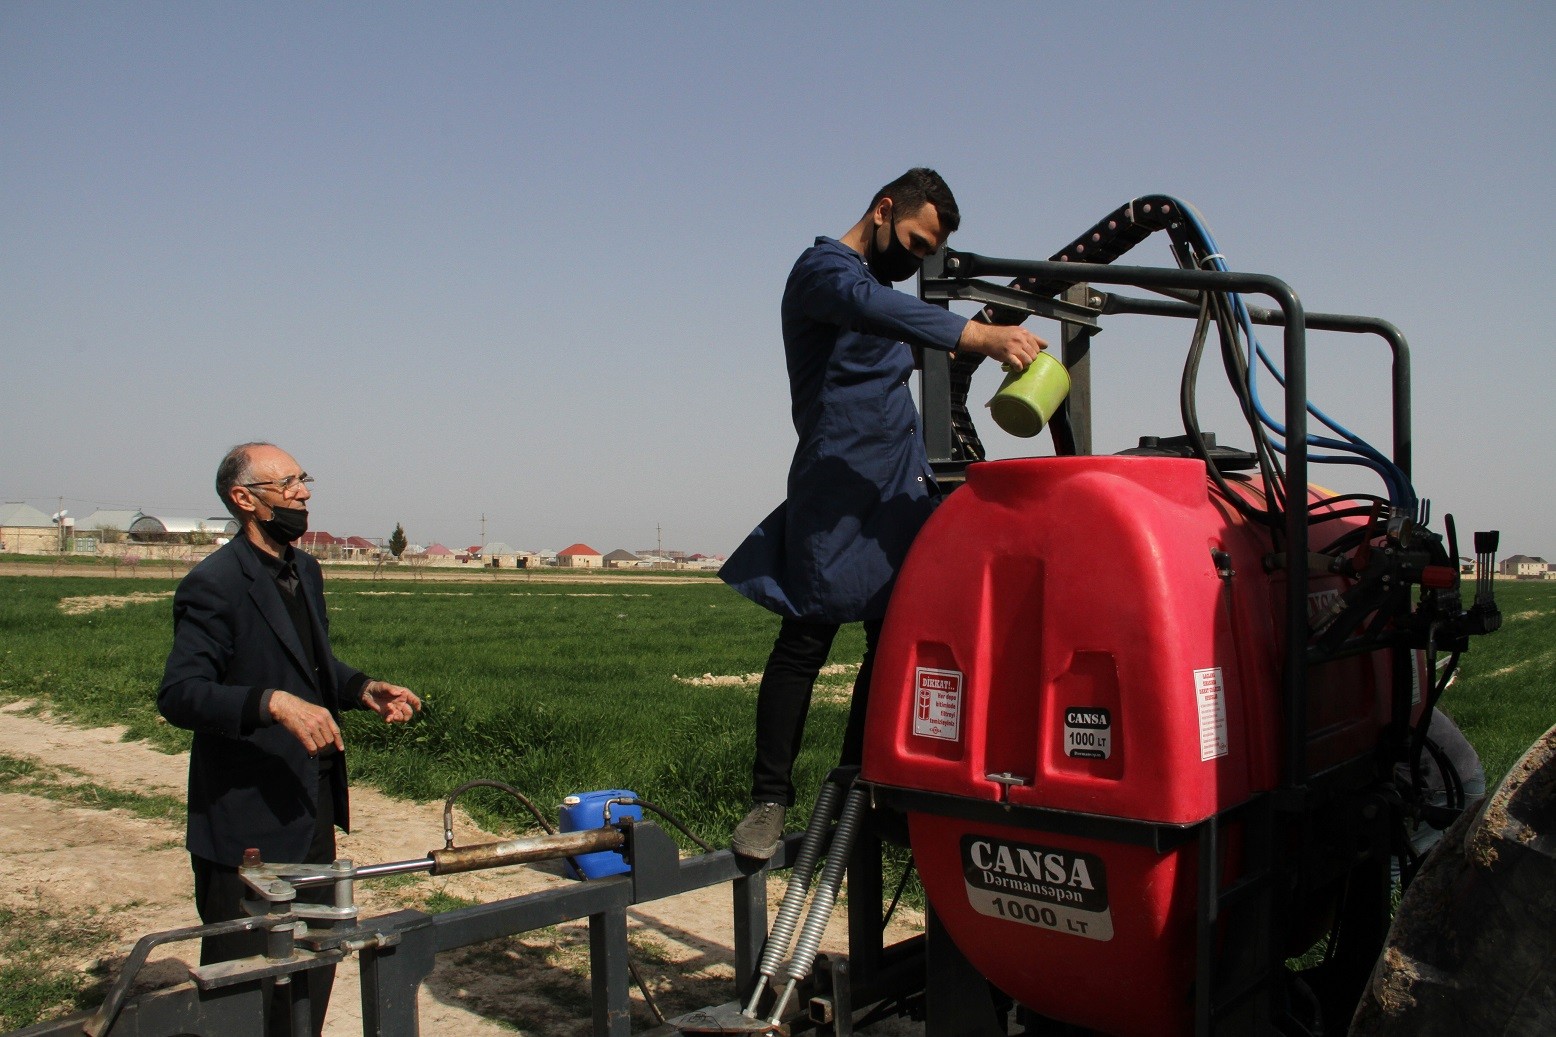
column 937, row 706
column 1210, row 699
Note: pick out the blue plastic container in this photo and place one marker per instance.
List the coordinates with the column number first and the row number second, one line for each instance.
column 584, row 810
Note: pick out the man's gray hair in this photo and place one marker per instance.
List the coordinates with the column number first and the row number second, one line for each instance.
column 234, row 471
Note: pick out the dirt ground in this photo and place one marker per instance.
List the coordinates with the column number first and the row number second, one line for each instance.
column 131, row 876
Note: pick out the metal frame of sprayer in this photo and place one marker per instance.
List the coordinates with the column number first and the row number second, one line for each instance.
column 397, row 951
column 1347, row 813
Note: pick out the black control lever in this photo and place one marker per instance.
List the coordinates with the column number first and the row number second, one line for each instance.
column 1484, row 615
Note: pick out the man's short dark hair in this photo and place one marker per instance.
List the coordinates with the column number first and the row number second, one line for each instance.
column 234, row 471
column 919, row 185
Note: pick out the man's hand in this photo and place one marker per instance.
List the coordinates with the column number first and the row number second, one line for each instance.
column 390, row 701
column 309, row 724
column 1011, row 345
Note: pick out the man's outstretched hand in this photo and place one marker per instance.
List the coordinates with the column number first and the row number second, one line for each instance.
column 390, row 701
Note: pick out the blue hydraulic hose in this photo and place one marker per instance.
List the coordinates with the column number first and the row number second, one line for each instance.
column 1401, row 494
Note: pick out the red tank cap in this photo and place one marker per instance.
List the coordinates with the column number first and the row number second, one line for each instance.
column 1438, row 576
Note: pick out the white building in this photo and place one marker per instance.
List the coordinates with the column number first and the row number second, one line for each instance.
column 1525, row 566
column 26, row 530
column 164, row 529
column 580, row 556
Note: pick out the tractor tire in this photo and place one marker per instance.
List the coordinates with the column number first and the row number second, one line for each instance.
column 1473, row 945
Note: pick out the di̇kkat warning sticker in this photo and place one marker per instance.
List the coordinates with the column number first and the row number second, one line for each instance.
column 937, row 703
column 1210, row 699
column 1041, row 886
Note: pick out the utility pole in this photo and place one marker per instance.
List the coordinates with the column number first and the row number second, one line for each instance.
column 659, row 538
column 483, row 530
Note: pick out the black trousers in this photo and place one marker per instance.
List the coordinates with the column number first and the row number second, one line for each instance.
column 783, row 700
column 219, row 895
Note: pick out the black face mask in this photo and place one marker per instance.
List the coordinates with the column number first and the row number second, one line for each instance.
column 895, row 262
column 285, row 524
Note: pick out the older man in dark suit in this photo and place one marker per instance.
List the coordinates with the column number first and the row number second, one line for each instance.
column 251, row 673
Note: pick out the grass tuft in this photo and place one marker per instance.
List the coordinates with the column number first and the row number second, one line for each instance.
column 66, row 785
column 37, row 978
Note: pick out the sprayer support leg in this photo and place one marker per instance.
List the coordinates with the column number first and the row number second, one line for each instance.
column 957, row 999
column 750, row 894
column 834, row 1003
column 391, row 975
column 612, row 996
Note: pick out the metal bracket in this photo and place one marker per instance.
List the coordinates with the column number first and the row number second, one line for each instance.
column 1010, row 298
column 245, row 970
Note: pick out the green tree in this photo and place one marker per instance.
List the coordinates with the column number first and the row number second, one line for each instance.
column 397, row 541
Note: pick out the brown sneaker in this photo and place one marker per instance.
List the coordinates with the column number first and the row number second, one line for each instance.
column 758, row 835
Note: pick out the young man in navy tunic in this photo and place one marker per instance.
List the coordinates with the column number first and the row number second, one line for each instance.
column 860, row 484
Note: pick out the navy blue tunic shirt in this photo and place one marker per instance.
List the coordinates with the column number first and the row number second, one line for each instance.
column 860, row 484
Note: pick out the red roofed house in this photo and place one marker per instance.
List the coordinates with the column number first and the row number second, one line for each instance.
column 580, row 556
column 439, row 551
column 320, row 544
column 358, row 547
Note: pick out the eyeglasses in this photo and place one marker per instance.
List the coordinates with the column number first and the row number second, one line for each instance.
column 288, row 486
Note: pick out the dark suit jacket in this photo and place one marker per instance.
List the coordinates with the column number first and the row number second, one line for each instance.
column 232, row 633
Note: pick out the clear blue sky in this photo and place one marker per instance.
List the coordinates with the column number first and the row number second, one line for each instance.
column 524, row 260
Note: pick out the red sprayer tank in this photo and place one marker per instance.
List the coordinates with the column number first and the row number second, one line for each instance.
column 1079, row 644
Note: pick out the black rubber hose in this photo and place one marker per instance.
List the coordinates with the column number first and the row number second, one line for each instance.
column 1188, row 409
column 646, row 805
column 448, row 805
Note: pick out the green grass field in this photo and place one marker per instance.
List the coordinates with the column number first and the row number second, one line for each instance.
column 1505, row 696
column 551, row 687
column 557, row 688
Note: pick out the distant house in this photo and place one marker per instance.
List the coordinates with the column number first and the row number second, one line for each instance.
column 105, row 524
column 26, row 530
column 499, row 555
column 660, row 559
column 169, row 529
column 320, row 544
column 1525, row 567
column 580, row 556
column 622, row 559
column 435, row 554
column 358, row 547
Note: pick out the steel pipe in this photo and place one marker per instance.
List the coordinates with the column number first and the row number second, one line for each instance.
column 452, row 860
